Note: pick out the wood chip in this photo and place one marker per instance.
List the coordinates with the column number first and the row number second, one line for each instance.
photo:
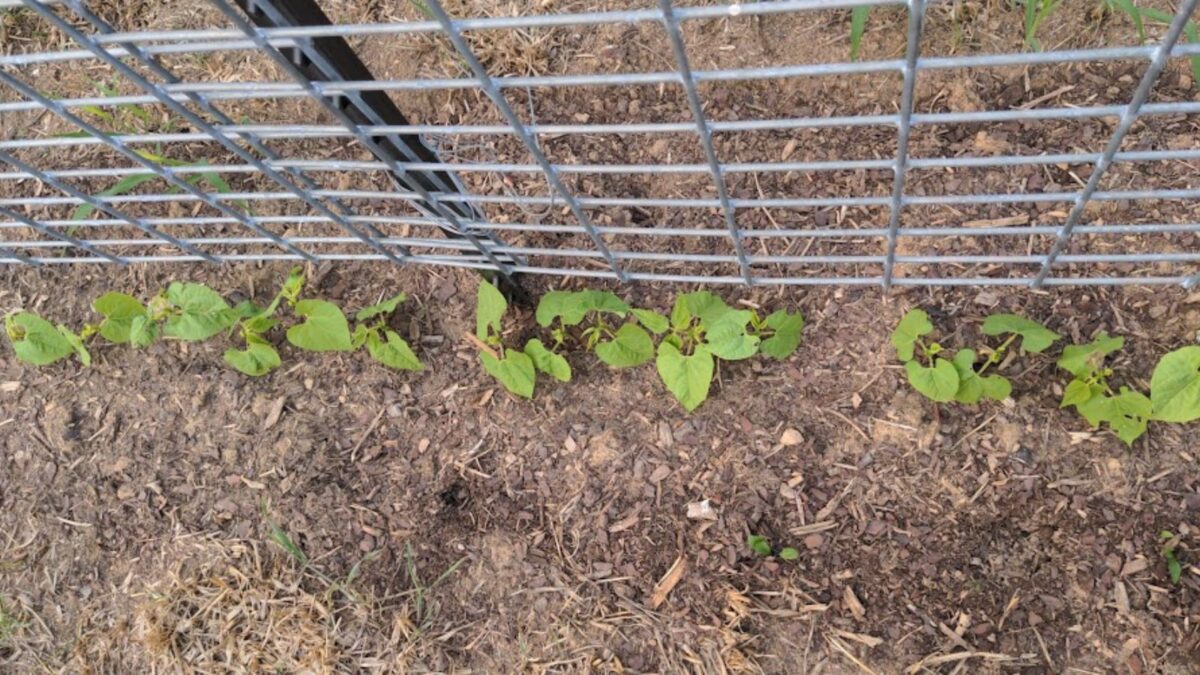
column 660, row 474
column 667, row 583
column 274, row 413
column 1134, row 566
column 852, row 604
column 624, row 523
column 701, row 510
column 868, row 640
column 9, row 387
column 1121, row 596
column 791, row 437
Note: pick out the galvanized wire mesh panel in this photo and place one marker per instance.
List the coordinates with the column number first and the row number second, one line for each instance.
column 258, row 160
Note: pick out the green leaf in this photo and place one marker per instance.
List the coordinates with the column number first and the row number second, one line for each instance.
column 910, row 329
column 681, row 314
column 1084, row 361
column 1035, row 337
column 35, row 340
column 1079, row 392
column 1174, row 568
column 394, row 352
column 121, row 187
column 653, row 321
column 759, row 544
column 259, row 323
column 202, row 312
column 789, row 553
column 489, row 309
column 630, row 346
column 290, row 290
column 1127, row 413
column 996, row 387
column 705, row 306
column 361, row 333
column 788, row 328
column 142, row 331
column 76, row 343
column 971, row 387
column 939, row 383
column 1175, row 386
column 386, row 307
column 687, row 377
column 324, row 330
column 727, row 338
column 515, row 371
column 258, row 358
column 547, row 361
column 572, row 306
column 119, row 310
column 858, row 26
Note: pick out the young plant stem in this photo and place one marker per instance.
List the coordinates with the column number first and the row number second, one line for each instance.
column 997, row 354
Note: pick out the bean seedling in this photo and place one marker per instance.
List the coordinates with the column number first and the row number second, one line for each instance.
column 760, row 545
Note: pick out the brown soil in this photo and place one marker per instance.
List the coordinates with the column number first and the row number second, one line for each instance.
column 144, row 505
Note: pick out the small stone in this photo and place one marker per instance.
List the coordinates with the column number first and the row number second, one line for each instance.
column 791, row 437
column 814, row 541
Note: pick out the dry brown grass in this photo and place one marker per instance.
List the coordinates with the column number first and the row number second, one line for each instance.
column 233, row 607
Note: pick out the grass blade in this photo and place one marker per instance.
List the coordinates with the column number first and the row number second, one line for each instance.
column 858, row 26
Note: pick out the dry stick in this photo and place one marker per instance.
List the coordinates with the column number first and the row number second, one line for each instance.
column 367, row 433
column 483, row 346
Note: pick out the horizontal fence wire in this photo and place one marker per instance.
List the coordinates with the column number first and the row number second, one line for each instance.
column 288, row 204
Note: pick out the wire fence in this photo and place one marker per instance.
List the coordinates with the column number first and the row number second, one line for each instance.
column 377, row 186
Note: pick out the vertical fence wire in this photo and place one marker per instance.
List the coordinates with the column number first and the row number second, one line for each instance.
column 178, row 108
column 671, row 24
column 1158, row 62
column 447, row 214
column 531, row 144
column 916, row 20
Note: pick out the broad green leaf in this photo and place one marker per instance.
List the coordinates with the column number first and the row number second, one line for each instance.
column 360, row 335
column 393, row 352
column 1079, row 392
column 1035, row 337
column 260, row 323
column 142, row 331
column 246, row 309
column 789, row 553
column 258, row 358
column 572, row 306
column 1127, row 413
column 938, row 383
column 996, row 387
column 631, row 346
column 324, row 330
column 547, row 361
column 76, row 342
column 704, row 306
column 687, row 377
column 788, row 328
column 202, row 312
column 489, row 309
column 758, row 544
column 1175, row 386
column 653, row 321
column 515, row 371
column 727, row 338
column 1084, row 361
column 119, row 310
column 910, row 329
column 970, row 385
column 386, row 307
column 35, row 340
column 681, row 314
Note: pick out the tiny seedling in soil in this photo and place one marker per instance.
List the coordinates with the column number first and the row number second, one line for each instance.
column 1169, row 543
column 760, row 545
